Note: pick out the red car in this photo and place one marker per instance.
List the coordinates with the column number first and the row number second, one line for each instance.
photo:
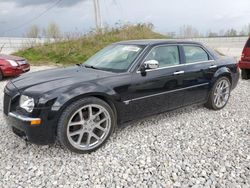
column 244, row 63
column 12, row 66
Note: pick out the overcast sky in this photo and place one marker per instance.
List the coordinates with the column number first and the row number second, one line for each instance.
column 16, row 16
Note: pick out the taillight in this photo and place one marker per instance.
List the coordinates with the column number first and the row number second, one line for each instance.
column 242, row 55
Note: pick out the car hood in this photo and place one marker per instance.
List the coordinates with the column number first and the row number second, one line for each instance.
column 43, row 81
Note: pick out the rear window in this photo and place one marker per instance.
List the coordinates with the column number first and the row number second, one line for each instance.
column 195, row 54
column 248, row 43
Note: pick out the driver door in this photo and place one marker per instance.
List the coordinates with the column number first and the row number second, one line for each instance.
column 157, row 90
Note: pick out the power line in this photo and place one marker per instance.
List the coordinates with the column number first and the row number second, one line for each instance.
column 34, row 18
column 119, row 6
column 98, row 18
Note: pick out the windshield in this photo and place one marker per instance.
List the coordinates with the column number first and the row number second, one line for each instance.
column 115, row 58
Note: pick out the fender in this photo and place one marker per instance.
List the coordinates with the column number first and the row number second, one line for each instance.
column 87, row 89
column 223, row 71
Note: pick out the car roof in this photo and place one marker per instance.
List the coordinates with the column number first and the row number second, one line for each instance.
column 147, row 42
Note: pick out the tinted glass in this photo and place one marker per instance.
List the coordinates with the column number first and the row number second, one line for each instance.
column 117, row 58
column 165, row 55
column 195, row 54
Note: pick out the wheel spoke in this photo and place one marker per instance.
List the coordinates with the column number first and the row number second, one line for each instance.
column 90, row 112
column 225, row 93
column 225, row 87
column 75, row 123
column 88, row 139
column 102, row 120
column 223, row 84
column 216, row 99
column 100, row 127
column 75, row 132
column 80, row 138
column 95, row 136
column 80, row 115
column 97, row 114
column 223, row 100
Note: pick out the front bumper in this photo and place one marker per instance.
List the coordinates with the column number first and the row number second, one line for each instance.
column 39, row 134
column 22, row 117
column 21, row 123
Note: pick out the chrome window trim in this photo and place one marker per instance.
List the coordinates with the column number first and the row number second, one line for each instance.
column 185, row 64
column 162, row 93
column 181, row 64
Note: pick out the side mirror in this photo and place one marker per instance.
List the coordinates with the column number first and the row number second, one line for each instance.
column 151, row 64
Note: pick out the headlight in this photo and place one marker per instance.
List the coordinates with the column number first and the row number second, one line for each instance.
column 27, row 103
column 13, row 63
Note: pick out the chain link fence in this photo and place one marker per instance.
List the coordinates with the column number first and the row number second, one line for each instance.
column 231, row 46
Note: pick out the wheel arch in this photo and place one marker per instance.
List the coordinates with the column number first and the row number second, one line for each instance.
column 224, row 71
column 101, row 96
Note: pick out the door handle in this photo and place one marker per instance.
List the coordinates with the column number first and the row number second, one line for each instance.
column 213, row 66
column 179, row 72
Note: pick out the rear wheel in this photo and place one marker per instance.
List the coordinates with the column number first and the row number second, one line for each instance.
column 219, row 94
column 86, row 125
column 245, row 74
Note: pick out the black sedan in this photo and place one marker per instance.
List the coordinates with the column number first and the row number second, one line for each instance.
column 82, row 105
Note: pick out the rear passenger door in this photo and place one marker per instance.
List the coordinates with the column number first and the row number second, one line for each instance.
column 199, row 70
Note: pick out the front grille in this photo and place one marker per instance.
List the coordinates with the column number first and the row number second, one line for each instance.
column 22, row 62
column 6, row 104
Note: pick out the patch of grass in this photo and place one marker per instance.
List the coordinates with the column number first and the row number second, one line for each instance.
column 78, row 50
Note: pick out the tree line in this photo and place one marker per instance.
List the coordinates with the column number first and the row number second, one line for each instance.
column 51, row 31
column 185, row 31
column 188, row 31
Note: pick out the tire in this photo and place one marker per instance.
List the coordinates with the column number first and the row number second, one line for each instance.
column 81, row 132
column 223, row 94
column 245, row 74
column 1, row 75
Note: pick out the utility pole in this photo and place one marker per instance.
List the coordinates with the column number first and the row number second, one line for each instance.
column 98, row 19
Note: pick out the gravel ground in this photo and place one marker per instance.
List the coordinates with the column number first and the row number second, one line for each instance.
column 190, row 147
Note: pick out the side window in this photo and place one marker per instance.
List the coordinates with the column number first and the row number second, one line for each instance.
column 165, row 55
column 195, row 54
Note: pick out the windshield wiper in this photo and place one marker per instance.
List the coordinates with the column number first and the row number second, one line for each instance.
column 79, row 64
column 91, row 67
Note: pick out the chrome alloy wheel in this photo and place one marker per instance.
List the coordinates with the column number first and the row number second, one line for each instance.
column 221, row 93
column 88, row 127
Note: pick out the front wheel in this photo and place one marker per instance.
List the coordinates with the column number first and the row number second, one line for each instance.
column 219, row 94
column 85, row 125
